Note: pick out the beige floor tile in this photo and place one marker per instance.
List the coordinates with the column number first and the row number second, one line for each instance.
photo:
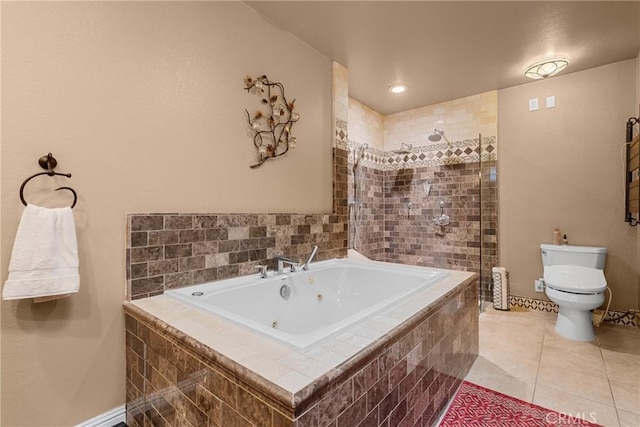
column 628, row 419
column 511, row 364
column 502, row 364
column 516, row 332
column 552, row 339
column 515, row 312
column 627, row 396
column 622, row 339
column 585, row 386
column 516, row 345
column 572, row 405
column 588, row 363
column 622, row 367
column 514, row 321
column 521, row 355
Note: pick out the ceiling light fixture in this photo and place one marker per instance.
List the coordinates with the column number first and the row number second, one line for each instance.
column 398, row 88
column 546, row 68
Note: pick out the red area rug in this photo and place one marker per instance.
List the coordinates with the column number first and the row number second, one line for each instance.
column 474, row 405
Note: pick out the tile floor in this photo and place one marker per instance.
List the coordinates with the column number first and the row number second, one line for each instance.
column 521, row 355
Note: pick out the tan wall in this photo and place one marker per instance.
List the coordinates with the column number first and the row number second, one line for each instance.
column 144, row 104
column 561, row 167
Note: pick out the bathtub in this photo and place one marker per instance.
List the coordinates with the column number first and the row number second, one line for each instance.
column 405, row 359
column 317, row 305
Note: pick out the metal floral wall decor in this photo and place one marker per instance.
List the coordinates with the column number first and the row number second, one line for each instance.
column 271, row 130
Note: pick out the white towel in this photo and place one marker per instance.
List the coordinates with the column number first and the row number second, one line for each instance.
column 44, row 261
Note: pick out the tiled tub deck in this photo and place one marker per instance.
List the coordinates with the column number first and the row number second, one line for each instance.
column 399, row 368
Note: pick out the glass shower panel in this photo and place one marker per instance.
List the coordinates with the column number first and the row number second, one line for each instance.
column 488, row 217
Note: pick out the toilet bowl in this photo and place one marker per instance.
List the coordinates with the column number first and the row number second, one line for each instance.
column 577, row 291
column 574, row 280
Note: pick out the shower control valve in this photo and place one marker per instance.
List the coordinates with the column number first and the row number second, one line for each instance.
column 442, row 220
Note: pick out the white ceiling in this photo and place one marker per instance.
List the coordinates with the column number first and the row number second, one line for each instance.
column 449, row 49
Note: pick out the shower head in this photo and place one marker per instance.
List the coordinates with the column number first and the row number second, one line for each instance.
column 436, row 135
column 404, row 149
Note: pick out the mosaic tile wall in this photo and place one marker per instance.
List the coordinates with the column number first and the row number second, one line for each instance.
column 394, row 204
column 411, row 237
column 171, row 381
column 166, row 251
column 340, row 182
column 366, row 206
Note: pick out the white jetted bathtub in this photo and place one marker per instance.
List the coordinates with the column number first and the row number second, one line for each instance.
column 305, row 308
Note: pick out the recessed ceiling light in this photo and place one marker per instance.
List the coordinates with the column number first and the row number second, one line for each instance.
column 546, row 68
column 398, row 88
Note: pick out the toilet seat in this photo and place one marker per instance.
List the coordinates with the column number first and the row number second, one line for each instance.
column 575, row 279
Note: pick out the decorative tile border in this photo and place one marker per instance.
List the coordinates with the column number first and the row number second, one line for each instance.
column 533, row 304
column 429, row 155
column 614, row 317
column 342, row 133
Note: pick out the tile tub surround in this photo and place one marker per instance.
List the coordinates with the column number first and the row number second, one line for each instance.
column 186, row 367
column 166, row 251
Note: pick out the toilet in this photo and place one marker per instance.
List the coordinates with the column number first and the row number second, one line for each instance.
column 574, row 279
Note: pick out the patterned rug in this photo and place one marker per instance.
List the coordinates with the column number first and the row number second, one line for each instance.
column 474, row 405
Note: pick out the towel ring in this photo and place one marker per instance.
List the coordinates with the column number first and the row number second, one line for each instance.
column 48, row 162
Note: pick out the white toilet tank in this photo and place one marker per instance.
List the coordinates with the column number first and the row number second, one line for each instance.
column 585, row 256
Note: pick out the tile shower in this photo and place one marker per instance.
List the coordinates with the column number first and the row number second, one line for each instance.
column 393, row 198
column 398, row 175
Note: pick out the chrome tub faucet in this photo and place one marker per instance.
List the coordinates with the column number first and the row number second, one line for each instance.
column 305, row 266
column 284, row 260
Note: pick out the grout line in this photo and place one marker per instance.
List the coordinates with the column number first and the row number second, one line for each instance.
column 613, row 398
column 535, row 383
column 486, row 318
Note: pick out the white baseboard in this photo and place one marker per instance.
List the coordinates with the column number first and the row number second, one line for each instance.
column 107, row 419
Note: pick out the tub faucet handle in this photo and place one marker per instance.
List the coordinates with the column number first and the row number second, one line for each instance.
column 263, row 271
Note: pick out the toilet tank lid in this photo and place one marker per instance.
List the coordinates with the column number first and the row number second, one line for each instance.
column 573, row 278
column 574, row 248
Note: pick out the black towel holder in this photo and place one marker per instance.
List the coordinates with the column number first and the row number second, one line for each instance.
column 48, row 162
